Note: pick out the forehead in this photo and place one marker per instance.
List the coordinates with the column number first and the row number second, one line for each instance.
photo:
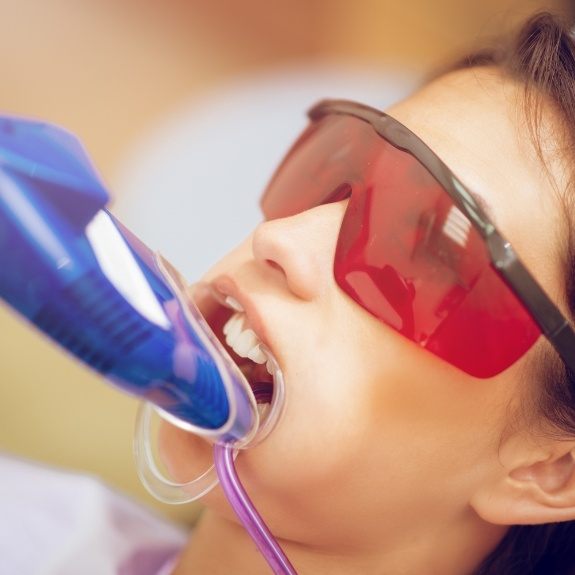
column 474, row 121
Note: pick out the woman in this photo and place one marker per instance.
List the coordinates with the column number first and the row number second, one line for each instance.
column 389, row 457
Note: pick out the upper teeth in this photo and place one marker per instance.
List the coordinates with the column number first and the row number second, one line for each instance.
column 234, row 303
column 242, row 339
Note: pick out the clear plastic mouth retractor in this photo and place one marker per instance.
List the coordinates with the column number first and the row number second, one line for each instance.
column 169, row 491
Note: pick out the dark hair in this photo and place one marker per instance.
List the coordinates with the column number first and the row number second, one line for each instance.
column 542, row 57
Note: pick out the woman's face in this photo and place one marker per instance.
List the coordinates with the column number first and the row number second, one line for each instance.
column 379, row 438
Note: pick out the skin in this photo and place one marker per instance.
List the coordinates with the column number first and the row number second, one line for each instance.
column 388, row 460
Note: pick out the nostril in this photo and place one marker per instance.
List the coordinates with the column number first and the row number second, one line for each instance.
column 298, row 249
column 274, row 265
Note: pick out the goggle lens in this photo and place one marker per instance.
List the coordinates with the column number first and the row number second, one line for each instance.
column 405, row 252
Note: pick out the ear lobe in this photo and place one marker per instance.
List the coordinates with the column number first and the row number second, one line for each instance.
column 532, row 493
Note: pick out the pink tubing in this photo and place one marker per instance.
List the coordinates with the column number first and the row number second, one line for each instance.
column 243, row 506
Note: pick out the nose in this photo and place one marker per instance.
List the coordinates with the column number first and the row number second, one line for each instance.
column 302, row 248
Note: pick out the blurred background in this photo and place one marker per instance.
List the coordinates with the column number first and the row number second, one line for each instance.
column 185, row 106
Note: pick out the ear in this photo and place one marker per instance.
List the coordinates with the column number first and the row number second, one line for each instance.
column 534, row 484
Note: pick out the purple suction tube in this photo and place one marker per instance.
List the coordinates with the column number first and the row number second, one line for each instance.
column 242, row 504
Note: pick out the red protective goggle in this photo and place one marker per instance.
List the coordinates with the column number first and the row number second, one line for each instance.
column 415, row 248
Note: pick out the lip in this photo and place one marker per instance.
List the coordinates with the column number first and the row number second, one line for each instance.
column 226, row 286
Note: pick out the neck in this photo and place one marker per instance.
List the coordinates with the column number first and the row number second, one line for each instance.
column 219, row 546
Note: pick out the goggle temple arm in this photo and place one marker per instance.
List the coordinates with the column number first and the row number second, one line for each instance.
column 553, row 324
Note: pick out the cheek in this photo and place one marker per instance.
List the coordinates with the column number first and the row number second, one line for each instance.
column 446, row 426
column 369, row 403
column 324, row 420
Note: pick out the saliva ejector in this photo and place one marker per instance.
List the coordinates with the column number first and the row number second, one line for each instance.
column 76, row 273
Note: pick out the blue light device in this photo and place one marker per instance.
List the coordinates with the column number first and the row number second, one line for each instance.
column 86, row 281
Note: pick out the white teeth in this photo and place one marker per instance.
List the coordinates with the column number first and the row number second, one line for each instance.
column 245, row 343
column 257, row 355
column 233, row 327
column 234, row 303
column 243, row 340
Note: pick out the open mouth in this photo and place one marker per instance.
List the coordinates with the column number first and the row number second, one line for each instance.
column 229, row 322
